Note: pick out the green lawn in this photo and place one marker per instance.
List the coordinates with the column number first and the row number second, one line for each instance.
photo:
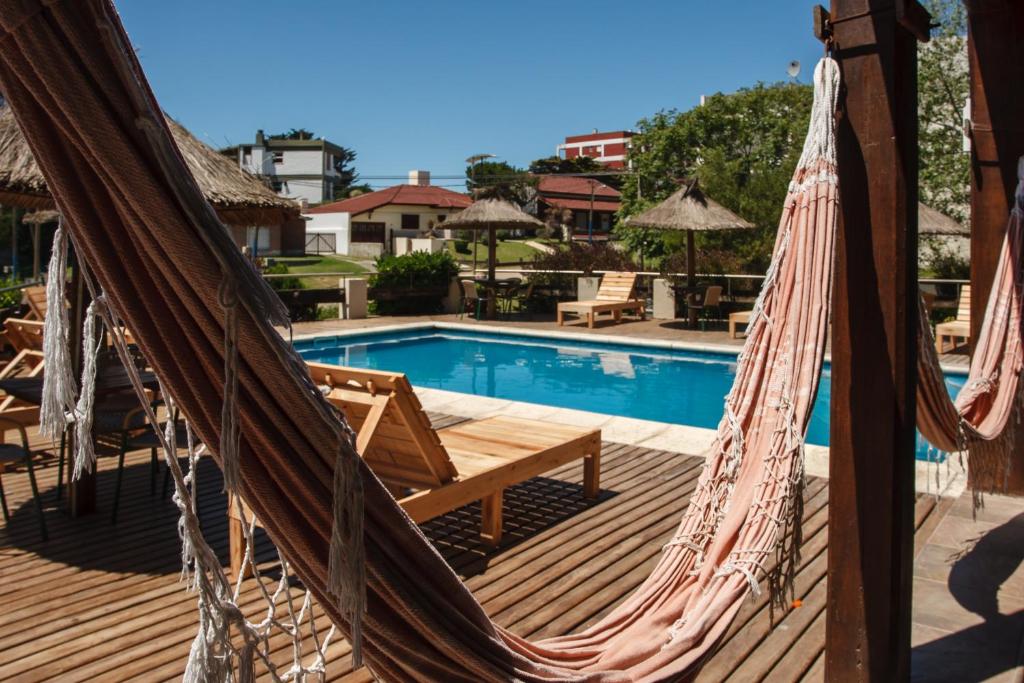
column 342, row 265
column 508, row 251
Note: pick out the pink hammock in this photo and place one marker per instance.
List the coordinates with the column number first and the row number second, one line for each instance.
column 162, row 259
column 980, row 419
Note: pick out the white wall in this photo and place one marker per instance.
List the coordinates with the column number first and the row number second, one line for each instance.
column 301, row 161
column 391, row 216
column 309, row 189
column 336, row 223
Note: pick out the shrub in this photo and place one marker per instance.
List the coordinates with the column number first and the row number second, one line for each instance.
column 418, row 270
column 281, row 283
column 9, row 298
column 328, row 312
column 462, row 246
column 579, row 256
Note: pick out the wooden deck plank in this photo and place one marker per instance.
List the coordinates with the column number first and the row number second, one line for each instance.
column 99, row 602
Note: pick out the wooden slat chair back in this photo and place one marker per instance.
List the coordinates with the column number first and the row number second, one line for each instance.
column 394, row 434
column 617, row 287
column 24, row 334
column 35, row 297
column 963, row 310
column 956, row 329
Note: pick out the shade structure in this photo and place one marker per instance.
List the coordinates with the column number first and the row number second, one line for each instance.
column 492, row 215
column 689, row 209
column 932, row 222
column 239, row 198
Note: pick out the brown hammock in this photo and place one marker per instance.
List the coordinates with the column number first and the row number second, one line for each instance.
column 162, row 259
column 983, row 420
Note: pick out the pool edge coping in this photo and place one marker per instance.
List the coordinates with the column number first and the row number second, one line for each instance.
column 726, row 349
column 815, row 456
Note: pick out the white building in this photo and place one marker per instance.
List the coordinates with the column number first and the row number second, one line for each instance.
column 369, row 224
column 305, row 170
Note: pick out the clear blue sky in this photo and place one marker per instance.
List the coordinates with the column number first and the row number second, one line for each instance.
column 426, row 84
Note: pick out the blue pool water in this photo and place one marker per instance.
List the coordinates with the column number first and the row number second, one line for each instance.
column 666, row 385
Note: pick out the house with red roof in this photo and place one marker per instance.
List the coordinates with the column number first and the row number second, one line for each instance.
column 583, row 206
column 368, row 224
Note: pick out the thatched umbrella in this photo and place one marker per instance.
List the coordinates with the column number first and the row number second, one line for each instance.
column 37, row 219
column 239, row 198
column 491, row 215
column 932, row 222
column 691, row 210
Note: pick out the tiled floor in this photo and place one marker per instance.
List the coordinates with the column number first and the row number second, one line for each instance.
column 968, row 620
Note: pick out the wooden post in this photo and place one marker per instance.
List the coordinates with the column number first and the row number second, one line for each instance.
column 82, row 491
column 36, row 229
column 995, row 31
column 871, row 464
column 492, row 256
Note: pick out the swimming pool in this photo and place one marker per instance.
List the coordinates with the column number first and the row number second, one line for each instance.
column 652, row 383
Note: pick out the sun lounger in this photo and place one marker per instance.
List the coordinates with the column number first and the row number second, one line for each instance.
column 35, row 297
column 956, row 329
column 616, row 294
column 433, row 472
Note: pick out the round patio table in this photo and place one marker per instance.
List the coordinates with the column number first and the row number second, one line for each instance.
column 495, row 288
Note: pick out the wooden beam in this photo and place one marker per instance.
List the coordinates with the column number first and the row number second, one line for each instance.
column 871, row 465
column 994, row 38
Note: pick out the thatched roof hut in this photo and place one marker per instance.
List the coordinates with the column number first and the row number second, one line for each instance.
column 691, row 210
column 492, row 214
column 688, row 209
column 932, row 222
column 239, row 198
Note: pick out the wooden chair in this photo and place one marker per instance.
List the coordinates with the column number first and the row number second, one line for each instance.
column 471, row 299
column 956, row 329
column 26, row 336
column 13, row 455
column 711, row 301
column 35, row 297
column 433, row 472
column 616, row 294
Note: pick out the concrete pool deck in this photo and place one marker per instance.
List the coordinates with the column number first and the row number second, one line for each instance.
column 946, row 479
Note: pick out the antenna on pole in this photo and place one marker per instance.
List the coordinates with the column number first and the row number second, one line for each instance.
column 793, row 69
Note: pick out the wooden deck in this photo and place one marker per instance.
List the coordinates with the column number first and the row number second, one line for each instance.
column 98, row 602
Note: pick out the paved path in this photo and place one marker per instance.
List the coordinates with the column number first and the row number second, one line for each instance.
column 540, row 246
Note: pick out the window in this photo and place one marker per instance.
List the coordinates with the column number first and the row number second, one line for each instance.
column 258, row 240
column 441, row 217
column 367, row 232
column 410, row 221
column 278, row 157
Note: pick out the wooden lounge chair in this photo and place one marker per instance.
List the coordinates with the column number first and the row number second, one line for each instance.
column 616, row 294
column 35, row 297
column 433, row 472
column 956, row 329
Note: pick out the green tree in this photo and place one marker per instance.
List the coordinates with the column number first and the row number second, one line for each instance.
column 294, row 134
column 500, row 180
column 743, row 147
column 557, row 165
column 943, row 88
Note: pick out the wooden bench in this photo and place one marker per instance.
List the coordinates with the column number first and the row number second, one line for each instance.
column 738, row 318
column 616, row 294
column 433, row 472
column 956, row 329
